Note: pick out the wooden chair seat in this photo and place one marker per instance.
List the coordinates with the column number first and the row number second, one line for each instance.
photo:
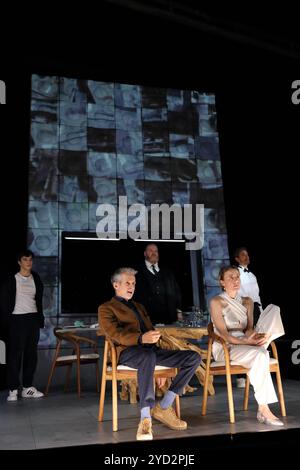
column 73, row 357
column 222, row 364
column 121, row 367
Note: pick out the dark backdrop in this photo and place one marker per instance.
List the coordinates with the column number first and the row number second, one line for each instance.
column 86, row 268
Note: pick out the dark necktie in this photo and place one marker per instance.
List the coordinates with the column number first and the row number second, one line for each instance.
column 153, row 269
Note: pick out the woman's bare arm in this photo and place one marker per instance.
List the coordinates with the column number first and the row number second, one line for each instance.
column 216, row 314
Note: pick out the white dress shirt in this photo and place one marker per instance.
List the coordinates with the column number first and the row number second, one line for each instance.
column 249, row 286
column 149, row 267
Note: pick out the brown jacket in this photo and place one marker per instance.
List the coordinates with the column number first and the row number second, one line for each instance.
column 119, row 323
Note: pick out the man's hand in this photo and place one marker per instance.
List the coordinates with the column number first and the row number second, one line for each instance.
column 151, row 337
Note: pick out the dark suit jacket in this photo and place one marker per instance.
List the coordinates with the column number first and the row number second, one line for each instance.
column 8, row 299
column 143, row 292
column 119, row 323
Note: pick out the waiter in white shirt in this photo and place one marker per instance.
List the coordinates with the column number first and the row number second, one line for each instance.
column 249, row 286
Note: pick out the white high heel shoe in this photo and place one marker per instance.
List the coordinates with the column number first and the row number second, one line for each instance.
column 273, row 422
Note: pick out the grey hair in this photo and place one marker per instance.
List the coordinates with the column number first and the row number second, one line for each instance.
column 116, row 275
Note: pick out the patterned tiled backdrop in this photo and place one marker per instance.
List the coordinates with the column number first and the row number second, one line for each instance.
column 92, row 142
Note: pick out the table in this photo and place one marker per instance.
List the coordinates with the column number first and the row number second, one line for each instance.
column 174, row 337
column 76, row 329
column 185, row 332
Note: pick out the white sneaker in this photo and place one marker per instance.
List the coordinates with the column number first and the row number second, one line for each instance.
column 13, row 395
column 241, row 383
column 31, row 392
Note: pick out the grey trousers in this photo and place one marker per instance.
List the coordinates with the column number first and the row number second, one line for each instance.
column 144, row 358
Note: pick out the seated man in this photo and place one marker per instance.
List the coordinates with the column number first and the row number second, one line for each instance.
column 127, row 324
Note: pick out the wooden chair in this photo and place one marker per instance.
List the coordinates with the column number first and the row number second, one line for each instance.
column 230, row 368
column 113, row 372
column 78, row 357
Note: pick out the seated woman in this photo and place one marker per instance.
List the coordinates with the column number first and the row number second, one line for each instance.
column 232, row 318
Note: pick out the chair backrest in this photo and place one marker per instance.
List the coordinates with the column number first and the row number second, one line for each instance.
column 76, row 357
column 111, row 351
column 210, row 328
column 74, row 339
column 213, row 335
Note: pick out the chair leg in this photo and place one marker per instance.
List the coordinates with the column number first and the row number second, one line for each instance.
column 52, row 367
column 50, row 377
column 97, row 377
column 103, row 383
column 115, row 404
column 205, row 394
column 230, row 397
column 102, row 397
column 200, row 374
column 280, row 392
column 78, row 374
column 246, row 394
column 206, row 379
column 68, row 376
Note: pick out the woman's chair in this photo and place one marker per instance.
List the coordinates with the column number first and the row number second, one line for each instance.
column 230, row 368
column 113, row 372
column 78, row 357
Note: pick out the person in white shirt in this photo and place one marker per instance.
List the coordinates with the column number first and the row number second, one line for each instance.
column 248, row 288
column 249, row 285
column 22, row 316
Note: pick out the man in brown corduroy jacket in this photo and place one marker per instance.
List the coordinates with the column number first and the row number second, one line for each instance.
column 127, row 324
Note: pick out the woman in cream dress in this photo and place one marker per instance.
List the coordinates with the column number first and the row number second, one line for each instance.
column 232, row 318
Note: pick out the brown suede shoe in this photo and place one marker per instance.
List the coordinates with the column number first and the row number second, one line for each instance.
column 168, row 417
column 144, row 432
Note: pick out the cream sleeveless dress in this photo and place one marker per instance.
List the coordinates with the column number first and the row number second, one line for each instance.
column 255, row 358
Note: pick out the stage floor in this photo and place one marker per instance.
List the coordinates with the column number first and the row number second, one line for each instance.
column 63, row 420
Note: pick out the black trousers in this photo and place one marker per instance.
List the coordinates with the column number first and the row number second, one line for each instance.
column 144, row 358
column 24, row 336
